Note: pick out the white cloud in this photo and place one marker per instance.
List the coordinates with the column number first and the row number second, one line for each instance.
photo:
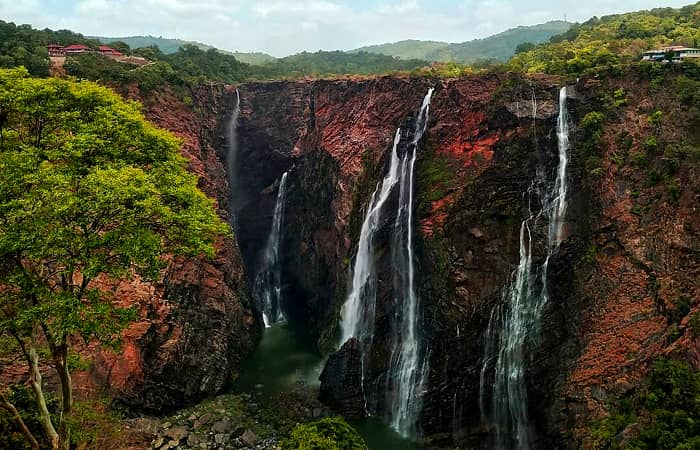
column 282, row 27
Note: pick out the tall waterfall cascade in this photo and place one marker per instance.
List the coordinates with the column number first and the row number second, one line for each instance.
column 267, row 289
column 408, row 367
column 406, row 371
column 513, row 329
column 231, row 156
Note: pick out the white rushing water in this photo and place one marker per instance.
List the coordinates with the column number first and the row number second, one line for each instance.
column 232, row 154
column 357, row 314
column 513, row 328
column 408, row 365
column 407, row 372
column 267, row 289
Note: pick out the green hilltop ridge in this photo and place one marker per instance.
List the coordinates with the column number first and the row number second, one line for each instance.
column 498, row 47
column 611, row 41
column 171, row 45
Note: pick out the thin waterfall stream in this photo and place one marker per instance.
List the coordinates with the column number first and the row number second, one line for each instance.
column 513, row 329
column 267, row 289
column 231, row 156
column 406, row 372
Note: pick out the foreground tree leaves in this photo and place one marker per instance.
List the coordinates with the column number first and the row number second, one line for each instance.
column 88, row 189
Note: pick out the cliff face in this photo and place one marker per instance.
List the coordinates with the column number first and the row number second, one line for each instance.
column 622, row 285
column 196, row 324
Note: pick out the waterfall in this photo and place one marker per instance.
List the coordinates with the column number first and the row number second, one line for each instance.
column 558, row 204
column 513, row 328
column 232, row 153
column 357, row 314
column 409, row 362
column 267, row 289
column 406, row 373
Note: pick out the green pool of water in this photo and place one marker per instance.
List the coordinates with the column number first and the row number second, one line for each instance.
column 285, row 356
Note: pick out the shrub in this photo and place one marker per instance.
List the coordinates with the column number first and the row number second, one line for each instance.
column 592, row 125
column 651, row 143
column 325, row 434
column 654, row 118
column 666, row 413
column 620, row 97
column 688, row 91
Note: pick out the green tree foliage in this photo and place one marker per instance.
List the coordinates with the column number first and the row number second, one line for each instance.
column 325, row 434
column 96, row 67
column 498, row 47
column 666, row 415
column 610, row 40
column 335, row 63
column 88, row 191
column 21, row 45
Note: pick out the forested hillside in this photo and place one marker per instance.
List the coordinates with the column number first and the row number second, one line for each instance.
column 22, row 45
column 25, row 46
column 498, row 47
column 612, row 40
column 170, row 45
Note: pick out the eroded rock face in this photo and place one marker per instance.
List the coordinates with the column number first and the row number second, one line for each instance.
column 613, row 283
column 341, row 381
column 196, row 324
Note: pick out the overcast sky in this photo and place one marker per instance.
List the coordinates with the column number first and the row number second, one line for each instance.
column 282, row 27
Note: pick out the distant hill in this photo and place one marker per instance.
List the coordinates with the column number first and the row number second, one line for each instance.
column 169, row 46
column 607, row 41
column 323, row 63
column 499, row 47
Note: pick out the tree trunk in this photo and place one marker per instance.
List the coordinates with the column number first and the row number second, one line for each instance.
column 35, row 381
column 4, row 403
column 60, row 358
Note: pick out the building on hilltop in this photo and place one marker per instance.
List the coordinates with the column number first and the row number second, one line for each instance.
column 75, row 49
column 56, row 50
column 109, row 51
column 672, row 53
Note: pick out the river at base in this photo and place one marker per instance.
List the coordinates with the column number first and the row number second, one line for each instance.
column 286, row 356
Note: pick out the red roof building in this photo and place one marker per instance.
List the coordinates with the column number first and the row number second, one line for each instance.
column 109, row 51
column 76, row 48
column 55, row 50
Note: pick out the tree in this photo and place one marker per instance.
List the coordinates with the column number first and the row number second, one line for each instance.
column 524, row 47
column 331, row 433
column 89, row 192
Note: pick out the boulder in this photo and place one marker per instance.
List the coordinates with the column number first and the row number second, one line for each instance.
column 341, row 381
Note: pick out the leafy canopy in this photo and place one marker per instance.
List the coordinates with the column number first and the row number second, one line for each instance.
column 325, row 434
column 611, row 40
column 88, row 189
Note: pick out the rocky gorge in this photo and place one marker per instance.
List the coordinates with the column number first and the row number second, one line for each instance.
column 622, row 284
column 489, row 138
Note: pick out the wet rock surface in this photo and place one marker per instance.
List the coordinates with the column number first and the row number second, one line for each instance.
column 235, row 421
column 614, row 281
column 341, row 381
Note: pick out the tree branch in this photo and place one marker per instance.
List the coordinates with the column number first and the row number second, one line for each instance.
column 5, row 404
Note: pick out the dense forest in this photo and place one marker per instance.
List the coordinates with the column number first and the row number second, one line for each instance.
column 499, row 47
column 24, row 46
column 611, row 40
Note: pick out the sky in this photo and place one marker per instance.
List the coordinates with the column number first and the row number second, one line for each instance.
column 282, row 27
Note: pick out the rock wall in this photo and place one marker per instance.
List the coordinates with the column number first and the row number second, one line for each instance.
column 623, row 284
column 196, row 325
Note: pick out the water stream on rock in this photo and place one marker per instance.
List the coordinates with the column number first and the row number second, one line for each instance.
column 407, row 371
column 408, row 366
column 286, row 357
column 513, row 328
column 267, row 288
column 231, row 156
column 357, row 315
